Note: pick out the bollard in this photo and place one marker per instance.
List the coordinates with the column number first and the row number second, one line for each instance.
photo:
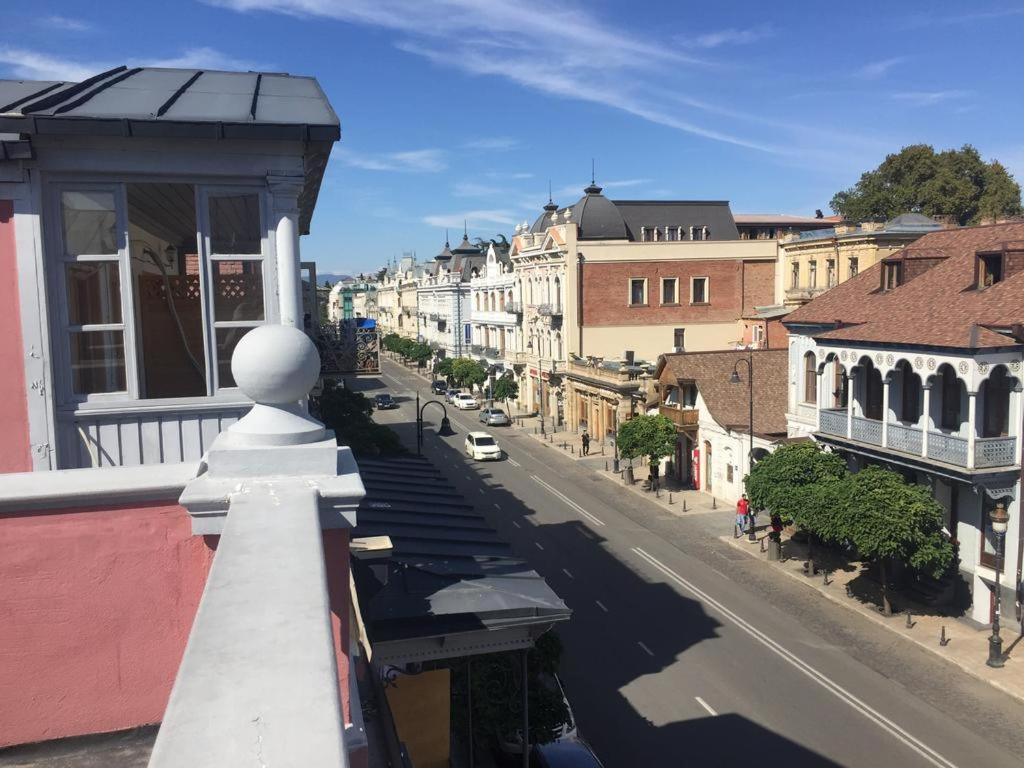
column 572, row 449
column 684, row 505
column 606, row 466
column 736, row 532
column 670, row 498
column 943, row 640
column 824, row 577
column 910, row 622
column 762, row 545
column 849, row 591
column 714, row 503
column 602, row 449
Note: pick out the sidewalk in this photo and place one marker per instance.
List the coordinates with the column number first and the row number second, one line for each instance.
column 967, row 644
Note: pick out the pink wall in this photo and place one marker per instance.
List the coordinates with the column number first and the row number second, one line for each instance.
column 15, row 453
column 95, row 609
column 336, row 556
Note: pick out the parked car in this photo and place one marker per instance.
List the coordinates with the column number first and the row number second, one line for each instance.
column 450, row 394
column 465, row 401
column 494, row 417
column 439, row 387
column 567, row 753
column 482, row 447
column 384, row 401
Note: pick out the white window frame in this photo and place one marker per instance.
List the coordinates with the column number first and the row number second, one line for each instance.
column 675, row 292
column 707, row 289
column 629, row 293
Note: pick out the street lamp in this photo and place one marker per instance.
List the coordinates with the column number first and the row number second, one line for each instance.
column 445, row 429
column 999, row 517
column 615, row 440
column 735, row 379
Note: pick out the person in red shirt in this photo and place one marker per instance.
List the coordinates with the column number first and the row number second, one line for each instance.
column 742, row 511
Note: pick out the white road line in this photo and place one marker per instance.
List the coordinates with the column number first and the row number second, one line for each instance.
column 601, row 606
column 647, row 650
column 791, row 658
column 566, row 572
column 517, row 525
column 497, row 506
column 514, row 463
column 704, row 704
column 538, row 545
column 569, row 501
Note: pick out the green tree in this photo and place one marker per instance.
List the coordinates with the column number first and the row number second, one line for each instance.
column 348, row 413
column 390, row 342
column 890, row 519
column 956, row 182
column 792, row 482
column 505, row 389
column 444, row 368
column 468, row 373
column 650, row 436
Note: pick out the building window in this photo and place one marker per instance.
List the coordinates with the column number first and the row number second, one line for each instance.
column 468, row 333
column 892, row 275
column 728, row 473
column 638, row 291
column 669, row 290
column 810, row 379
column 990, row 269
column 812, row 274
column 679, row 339
column 672, row 233
column 699, row 290
column 700, row 233
column 854, row 264
column 795, row 275
column 830, row 272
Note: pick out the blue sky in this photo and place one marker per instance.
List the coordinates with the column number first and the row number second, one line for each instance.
column 465, row 109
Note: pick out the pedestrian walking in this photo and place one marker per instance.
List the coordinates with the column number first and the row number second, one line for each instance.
column 742, row 511
column 655, row 469
column 585, row 441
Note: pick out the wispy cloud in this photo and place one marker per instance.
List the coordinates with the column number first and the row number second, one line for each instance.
column 65, row 23
column 731, row 36
column 876, row 69
column 493, row 144
column 927, row 98
column 934, row 20
column 476, row 189
column 507, row 175
column 34, row 65
column 410, row 161
column 474, row 219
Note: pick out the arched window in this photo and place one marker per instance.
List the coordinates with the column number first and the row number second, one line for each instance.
column 477, row 297
column 810, row 379
column 949, row 387
column 840, row 386
column 910, row 393
column 872, row 394
column 558, row 346
column 557, row 300
column 996, row 403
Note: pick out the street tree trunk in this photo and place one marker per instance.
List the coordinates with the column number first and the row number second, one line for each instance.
column 886, row 605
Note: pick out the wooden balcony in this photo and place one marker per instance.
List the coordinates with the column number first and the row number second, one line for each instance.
column 681, row 417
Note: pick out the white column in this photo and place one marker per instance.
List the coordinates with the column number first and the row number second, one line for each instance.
column 926, row 422
column 850, row 381
column 885, row 411
column 285, row 191
column 972, row 409
column 817, row 402
column 1015, row 417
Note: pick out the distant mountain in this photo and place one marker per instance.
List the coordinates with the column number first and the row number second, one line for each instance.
column 330, row 278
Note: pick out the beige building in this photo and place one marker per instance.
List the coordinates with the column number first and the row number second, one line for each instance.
column 820, row 259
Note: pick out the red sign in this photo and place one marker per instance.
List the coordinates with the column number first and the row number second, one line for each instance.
column 696, row 469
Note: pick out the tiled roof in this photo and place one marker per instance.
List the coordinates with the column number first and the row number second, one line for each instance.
column 937, row 305
column 727, row 402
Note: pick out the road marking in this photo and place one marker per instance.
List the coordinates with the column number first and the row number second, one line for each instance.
column 566, row 572
column 497, row 506
column 569, row 501
column 601, row 606
column 537, row 544
column 647, row 650
column 517, row 525
column 514, row 463
column 791, row 658
column 704, row 704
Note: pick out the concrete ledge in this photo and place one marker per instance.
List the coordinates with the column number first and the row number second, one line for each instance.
column 106, row 486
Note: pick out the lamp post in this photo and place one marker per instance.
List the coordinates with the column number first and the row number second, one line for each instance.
column 445, row 429
column 999, row 517
column 615, row 440
column 735, row 379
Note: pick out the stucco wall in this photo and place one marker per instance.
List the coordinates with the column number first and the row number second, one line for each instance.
column 337, row 560
column 14, row 448
column 95, row 609
column 649, row 341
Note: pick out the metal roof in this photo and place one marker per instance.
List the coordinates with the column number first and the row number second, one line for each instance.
column 449, row 572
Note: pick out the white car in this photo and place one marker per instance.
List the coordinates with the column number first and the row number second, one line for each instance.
column 481, row 446
column 465, row 401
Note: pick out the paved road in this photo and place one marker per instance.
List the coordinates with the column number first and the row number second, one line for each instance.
column 683, row 652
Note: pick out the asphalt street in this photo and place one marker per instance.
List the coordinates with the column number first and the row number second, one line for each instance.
column 683, row 652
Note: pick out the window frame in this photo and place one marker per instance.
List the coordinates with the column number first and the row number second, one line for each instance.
column 812, row 274
column 810, row 379
column 629, row 293
column 794, row 274
column 707, row 290
column 675, row 292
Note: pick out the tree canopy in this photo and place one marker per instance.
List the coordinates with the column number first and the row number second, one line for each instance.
column 444, row 367
column 505, row 389
column 652, row 436
column 348, row 413
column 467, row 372
column 955, row 182
column 792, row 482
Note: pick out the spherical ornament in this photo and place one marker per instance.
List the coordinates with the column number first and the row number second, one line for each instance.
column 275, row 364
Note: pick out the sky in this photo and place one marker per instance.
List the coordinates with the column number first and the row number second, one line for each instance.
column 466, row 110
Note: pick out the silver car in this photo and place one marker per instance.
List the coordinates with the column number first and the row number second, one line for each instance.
column 494, row 417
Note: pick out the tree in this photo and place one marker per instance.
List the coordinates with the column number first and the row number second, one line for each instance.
column 888, row 518
column 348, row 413
column 789, row 482
column 505, row 389
column 651, row 436
column 468, row 373
column 956, row 182
column 444, row 368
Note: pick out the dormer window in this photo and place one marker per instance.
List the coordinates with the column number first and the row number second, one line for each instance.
column 892, row 275
column 990, row 269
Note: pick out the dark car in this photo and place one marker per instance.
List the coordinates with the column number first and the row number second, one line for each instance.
column 384, row 402
column 439, row 387
column 567, row 753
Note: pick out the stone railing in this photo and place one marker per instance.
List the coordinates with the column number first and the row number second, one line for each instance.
column 681, row 417
column 549, row 310
column 952, row 449
column 867, row 430
column 515, row 307
column 904, row 438
column 995, row 452
column 833, row 421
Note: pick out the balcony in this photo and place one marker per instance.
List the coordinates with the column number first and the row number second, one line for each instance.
column 989, row 452
column 476, row 349
column 549, row 310
column 794, row 295
column 491, row 353
column 515, row 307
column 681, row 417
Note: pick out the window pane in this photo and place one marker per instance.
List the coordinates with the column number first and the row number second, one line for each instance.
column 636, row 291
column 668, row 292
column 238, row 290
column 227, row 340
column 97, row 362
column 235, row 223
column 699, row 290
column 94, row 293
column 90, row 223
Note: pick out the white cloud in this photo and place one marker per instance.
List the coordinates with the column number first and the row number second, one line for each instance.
column 65, row 23
column 476, row 189
column 493, row 144
column 201, row 58
column 473, row 218
column 877, row 69
column 927, row 98
column 731, row 37
column 410, row 161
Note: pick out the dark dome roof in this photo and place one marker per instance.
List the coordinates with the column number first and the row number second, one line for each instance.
column 597, row 217
column 445, row 254
column 466, row 248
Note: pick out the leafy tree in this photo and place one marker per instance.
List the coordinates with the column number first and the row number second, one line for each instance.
column 444, row 368
column 468, row 373
column 650, row 436
column 890, row 519
column 789, row 483
column 954, row 182
column 505, row 389
column 390, row 342
column 348, row 413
